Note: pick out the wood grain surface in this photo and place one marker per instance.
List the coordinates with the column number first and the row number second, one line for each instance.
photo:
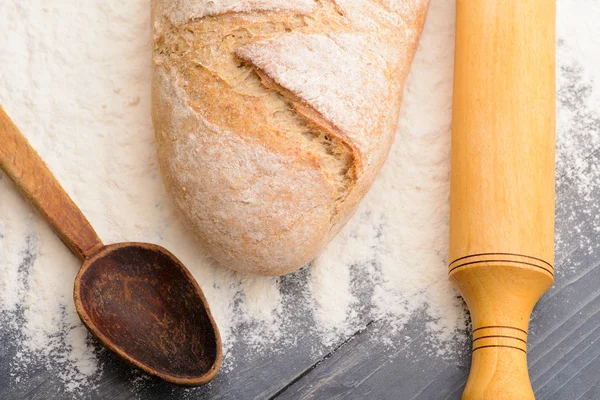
column 563, row 345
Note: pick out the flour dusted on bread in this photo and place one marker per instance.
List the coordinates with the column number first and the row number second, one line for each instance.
column 330, row 73
column 273, row 118
column 181, row 11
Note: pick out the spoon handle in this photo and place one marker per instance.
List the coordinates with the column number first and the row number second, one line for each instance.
column 28, row 171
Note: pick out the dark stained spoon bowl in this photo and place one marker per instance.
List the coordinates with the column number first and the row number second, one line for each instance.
column 143, row 304
column 138, row 299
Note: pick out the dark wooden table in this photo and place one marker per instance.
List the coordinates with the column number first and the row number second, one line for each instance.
column 565, row 328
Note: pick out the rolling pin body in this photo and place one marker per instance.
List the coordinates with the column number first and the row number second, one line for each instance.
column 502, row 182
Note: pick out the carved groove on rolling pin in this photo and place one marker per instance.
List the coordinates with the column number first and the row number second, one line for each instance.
column 500, row 336
column 498, row 345
column 508, row 258
column 499, row 327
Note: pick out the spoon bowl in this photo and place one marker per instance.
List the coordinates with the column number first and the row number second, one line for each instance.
column 143, row 304
column 138, row 299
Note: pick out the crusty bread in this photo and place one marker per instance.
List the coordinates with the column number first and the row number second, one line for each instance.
column 273, row 117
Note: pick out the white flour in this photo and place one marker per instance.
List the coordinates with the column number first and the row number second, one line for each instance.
column 75, row 77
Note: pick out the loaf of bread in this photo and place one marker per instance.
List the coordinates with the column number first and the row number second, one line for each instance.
column 273, row 117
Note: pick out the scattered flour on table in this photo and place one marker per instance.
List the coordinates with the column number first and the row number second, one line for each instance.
column 75, row 77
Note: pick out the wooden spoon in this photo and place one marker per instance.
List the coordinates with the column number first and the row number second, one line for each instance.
column 138, row 299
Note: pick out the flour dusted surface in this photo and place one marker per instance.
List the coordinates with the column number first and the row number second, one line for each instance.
column 92, row 126
column 98, row 140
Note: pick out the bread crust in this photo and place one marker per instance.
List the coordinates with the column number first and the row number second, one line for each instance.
column 273, row 117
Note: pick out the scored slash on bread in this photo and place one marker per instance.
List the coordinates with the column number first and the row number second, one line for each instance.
column 273, row 117
column 330, row 73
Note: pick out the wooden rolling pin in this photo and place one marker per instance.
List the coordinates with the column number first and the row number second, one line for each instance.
column 502, row 185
